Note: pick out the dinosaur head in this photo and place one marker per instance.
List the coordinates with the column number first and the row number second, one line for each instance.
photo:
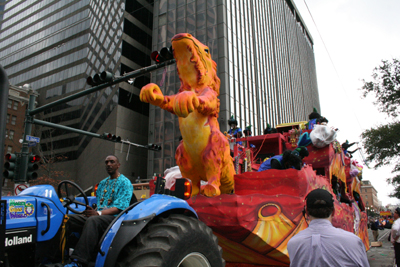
column 195, row 67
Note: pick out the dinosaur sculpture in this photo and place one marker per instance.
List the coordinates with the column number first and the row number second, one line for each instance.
column 204, row 153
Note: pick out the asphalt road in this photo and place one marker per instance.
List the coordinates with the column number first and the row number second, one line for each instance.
column 381, row 256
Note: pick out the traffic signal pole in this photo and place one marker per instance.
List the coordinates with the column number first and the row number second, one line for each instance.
column 31, row 111
column 4, row 85
column 23, row 167
column 129, row 75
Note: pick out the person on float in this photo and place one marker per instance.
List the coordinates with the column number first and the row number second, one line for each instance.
column 269, row 129
column 289, row 159
column 247, row 132
column 315, row 118
column 234, row 130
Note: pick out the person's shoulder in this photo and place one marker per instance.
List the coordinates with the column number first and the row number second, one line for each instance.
column 300, row 236
column 347, row 236
column 103, row 181
column 298, row 241
column 123, row 179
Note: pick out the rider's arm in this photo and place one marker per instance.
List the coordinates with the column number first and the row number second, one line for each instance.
column 110, row 211
column 91, row 212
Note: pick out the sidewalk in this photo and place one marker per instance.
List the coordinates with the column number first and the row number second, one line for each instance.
column 381, row 256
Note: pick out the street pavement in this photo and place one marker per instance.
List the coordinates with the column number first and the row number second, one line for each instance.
column 381, row 256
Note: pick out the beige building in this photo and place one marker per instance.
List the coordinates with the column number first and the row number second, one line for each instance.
column 18, row 98
column 369, row 195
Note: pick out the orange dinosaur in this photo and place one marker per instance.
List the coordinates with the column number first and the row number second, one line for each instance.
column 204, row 153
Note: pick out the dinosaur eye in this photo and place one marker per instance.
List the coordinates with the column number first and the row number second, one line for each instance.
column 206, row 49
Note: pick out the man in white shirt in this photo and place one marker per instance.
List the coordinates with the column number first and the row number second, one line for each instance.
column 394, row 235
column 321, row 244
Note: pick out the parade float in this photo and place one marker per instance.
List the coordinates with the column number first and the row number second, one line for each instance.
column 253, row 214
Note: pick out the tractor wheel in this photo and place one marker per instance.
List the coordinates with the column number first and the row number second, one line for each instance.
column 175, row 241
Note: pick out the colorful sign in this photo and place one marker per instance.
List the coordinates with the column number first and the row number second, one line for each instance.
column 385, row 213
column 20, row 209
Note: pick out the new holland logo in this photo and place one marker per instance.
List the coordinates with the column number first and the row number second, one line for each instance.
column 18, row 240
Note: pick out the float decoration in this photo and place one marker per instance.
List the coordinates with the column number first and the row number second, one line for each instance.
column 255, row 223
column 204, row 153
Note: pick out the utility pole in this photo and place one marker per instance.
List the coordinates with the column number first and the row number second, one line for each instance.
column 101, row 81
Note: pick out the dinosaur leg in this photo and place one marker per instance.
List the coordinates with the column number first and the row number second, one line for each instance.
column 212, row 162
column 222, row 164
column 212, row 188
column 227, row 174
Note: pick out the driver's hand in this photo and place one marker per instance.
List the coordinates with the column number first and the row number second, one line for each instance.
column 90, row 212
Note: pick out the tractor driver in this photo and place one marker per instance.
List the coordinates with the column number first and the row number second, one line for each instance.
column 113, row 194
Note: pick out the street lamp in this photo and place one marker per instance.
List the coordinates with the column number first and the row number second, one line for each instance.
column 367, row 211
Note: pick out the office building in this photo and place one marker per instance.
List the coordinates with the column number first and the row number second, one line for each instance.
column 265, row 60
column 54, row 46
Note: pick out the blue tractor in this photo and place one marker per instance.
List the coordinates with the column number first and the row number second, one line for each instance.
column 160, row 231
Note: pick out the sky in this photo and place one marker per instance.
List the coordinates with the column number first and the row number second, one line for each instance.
column 351, row 38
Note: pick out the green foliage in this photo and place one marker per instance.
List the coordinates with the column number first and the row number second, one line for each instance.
column 386, row 87
column 395, row 181
column 382, row 144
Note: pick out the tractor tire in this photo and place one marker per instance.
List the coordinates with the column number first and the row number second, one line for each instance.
column 174, row 241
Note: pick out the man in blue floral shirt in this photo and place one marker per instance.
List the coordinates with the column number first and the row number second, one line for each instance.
column 113, row 196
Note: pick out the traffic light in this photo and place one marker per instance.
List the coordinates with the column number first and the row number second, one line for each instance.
column 164, row 54
column 153, row 147
column 10, row 166
column 33, row 166
column 112, row 137
column 101, row 78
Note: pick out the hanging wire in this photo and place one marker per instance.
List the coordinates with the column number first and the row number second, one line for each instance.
column 362, row 156
column 333, row 64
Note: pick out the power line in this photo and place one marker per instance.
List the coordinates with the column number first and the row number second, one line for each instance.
column 333, row 64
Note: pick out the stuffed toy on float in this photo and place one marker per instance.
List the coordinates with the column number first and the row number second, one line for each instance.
column 203, row 154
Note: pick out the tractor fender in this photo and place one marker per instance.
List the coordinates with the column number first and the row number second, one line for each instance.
column 132, row 222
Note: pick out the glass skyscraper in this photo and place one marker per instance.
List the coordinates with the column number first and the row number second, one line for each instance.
column 265, row 60
column 54, row 46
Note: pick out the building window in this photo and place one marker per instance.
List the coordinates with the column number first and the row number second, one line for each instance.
column 366, row 197
column 15, row 107
column 13, row 120
column 9, row 149
column 8, row 118
column 365, row 190
column 9, row 104
column 11, row 136
column 367, row 203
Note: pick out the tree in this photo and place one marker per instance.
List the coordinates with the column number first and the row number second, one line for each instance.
column 382, row 144
column 49, row 173
column 386, row 87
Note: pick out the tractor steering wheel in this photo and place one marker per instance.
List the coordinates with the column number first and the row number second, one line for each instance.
column 70, row 199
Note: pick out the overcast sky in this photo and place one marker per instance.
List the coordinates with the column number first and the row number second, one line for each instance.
column 358, row 34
